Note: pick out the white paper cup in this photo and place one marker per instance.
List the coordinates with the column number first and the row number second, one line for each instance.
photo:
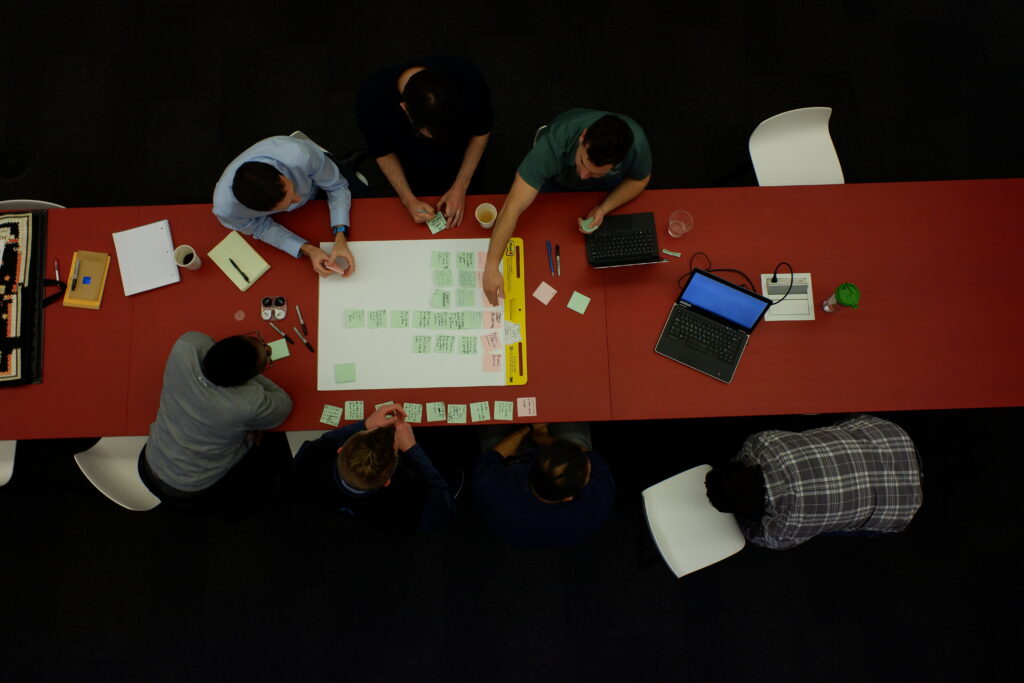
column 187, row 258
column 486, row 215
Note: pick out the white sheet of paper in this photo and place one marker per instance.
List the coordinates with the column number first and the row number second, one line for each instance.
column 145, row 256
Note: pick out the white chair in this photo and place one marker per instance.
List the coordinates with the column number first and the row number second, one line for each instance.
column 795, row 148
column 296, row 439
column 112, row 466
column 689, row 532
column 7, row 449
column 27, row 205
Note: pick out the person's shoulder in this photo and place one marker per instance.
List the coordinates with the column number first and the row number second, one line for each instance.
column 194, row 340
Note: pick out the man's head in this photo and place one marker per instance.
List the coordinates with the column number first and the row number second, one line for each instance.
column 260, row 187
column 601, row 146
column 430, row 102
column 235, row 360
column 368, row 459
column 736, row 488
column 559, row 471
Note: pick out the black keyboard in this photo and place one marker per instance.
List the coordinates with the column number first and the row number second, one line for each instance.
column 622, row 247
column 706, row 335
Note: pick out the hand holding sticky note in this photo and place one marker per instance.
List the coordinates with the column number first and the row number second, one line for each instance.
column 585, row 225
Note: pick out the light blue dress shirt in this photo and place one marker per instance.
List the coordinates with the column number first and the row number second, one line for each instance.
column 302, row 163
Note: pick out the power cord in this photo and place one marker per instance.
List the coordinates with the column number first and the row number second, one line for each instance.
column 710, row 269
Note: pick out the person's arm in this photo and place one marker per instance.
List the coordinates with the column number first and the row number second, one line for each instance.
column 627, row 191
column 421, row 212
column 519, row 199
column 265, row 229
column 271, row 408
column 453, row 202
column 439, row 506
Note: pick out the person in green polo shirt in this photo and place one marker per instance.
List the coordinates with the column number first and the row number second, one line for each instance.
column 582, row 149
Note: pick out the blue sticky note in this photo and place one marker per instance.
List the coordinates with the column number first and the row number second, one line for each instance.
column 86, row 279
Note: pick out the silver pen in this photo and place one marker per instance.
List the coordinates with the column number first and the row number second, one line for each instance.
column 304, row 340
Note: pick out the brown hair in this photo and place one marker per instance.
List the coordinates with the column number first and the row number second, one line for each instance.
column 368, row 458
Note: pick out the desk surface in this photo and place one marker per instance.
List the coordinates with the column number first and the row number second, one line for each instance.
column 931, row 259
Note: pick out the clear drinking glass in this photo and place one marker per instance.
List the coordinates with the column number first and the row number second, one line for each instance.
column 680, row 222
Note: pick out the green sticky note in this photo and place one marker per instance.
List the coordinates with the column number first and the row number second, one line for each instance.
column 278, row 349
column 465, row 260
column 437, row 223
column 457, row 414
column 413, row 412
column 440, row 259
column 399, row 319
column 503, row 410
column 467, row 278
column 421, row 319
column 578, row 303
column 468, row 345
column 331, row 415
column 435, row 412
column 472, row 320
column 345, row 372
column 442, row 298
column 584, row 224
column 421, row 343
column 353, row 317
column 443, row 278
column 353, row 410
column 442, row 321
column 458, row 320
column 375, row 320
column 445, row 343
column 466, row 298
column 480, row 412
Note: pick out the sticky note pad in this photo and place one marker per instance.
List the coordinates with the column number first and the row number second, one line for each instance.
column 468, row 345
column 345, row 372
column 437, row 223
column 466, row 298
column 413, row 412
column 331, row 415
column 399, row 319
column 354, row 410
column 527, row 406
column 457, row 414
column 376, row 320
column 385, row 403
column 86, row 280
column 544, row 292
column 480, row 412
column 443, row 278
column 503, row 410
column 578, row 303
column 353, row 317
column 435, row 412
column 440, row 259
column 441, row 298
column 444, row 343
column 421, row 343
column 278, row 349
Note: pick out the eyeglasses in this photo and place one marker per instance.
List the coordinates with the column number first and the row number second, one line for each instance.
column 255, row 334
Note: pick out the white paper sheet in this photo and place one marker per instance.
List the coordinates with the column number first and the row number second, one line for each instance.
column 145, row 256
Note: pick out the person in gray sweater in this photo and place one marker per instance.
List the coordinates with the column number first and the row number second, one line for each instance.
column 206, row 450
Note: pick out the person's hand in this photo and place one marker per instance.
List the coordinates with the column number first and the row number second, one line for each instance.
column 494, row 284
column 597, row 213
column 404, row 437
column 341, row 250
column 392, row 413
column 421, row 212
column 318, row 257
column 539, row 434
column 255, row 436
column 453, row 204
column 508, row 446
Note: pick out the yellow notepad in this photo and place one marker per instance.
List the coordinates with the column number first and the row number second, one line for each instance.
column 248, row 265
column 92, row 278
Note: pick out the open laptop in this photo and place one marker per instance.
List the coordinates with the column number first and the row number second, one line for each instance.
column 709, row 325
column 623, row 240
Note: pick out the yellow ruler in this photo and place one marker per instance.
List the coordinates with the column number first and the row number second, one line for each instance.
column 514, row 273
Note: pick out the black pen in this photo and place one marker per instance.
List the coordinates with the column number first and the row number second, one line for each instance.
column 283, row 335
column 558, row 259
column 74, row 276
column 301, row 321
column 240, row 272
column 304, row 340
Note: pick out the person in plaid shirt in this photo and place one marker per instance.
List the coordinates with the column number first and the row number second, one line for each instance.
column 861, row 476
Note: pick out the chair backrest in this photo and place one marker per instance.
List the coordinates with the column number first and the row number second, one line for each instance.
column 112, row 466
column 7, row 449
column 296, row 439
column 689, row 532
column 299, row 135
column 27, row 205
column 795, row 148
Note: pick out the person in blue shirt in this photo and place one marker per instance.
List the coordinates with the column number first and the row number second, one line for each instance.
column 554, row 495
column 375, row 472
column 278, row 174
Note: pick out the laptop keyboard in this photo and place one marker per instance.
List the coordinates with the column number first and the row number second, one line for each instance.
column 706, row 335
column 624, row 246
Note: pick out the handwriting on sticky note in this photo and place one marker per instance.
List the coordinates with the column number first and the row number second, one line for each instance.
column 468, row 345
column 353, row 317
column 421, row 319
column 331, row 415
column 421, row 343
column 503, row 410
column 480, row 411
column 437, row 223
column 544, row 292
column 472, row 320
column 491, row 342
column 466, row 298
column 578, row 303
column 511, row 333
column 435, row 412
column 413, row 412
column 440, row 259
column 467, row 278
column 441, row 298
column 399, row 319
column 493, row 362
column 353, row 410
column 345, row 372
column 443, row 278
column 465, row 260
column 442, row 321
column 492, row 320
column 444, row 343
column 376, row 320
column 457, row 414
column 278, row 349
column 527, row 407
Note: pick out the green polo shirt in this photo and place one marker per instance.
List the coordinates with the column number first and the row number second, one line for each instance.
column 554, row 155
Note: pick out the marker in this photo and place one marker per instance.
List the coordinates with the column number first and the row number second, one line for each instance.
column 304, row 340
column 74, row 276
column 56, row 270
column 558, row 258
column 240, row 272
column 283, row 335
column 551, row 264
column 301, row 321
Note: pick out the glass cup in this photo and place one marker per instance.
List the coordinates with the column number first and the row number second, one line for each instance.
column 680, row 222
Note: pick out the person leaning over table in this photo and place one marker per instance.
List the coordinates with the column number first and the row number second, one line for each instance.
column 278, row 174
column 427, row 124
column 582, row 149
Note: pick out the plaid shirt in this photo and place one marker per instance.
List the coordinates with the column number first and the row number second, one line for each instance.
column 862, row 473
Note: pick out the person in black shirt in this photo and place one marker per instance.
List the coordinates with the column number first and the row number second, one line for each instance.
column 427, row 123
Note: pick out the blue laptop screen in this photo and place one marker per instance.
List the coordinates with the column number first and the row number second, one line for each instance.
column 737, row 305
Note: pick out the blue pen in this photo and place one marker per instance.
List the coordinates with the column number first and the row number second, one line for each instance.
column 551, row 264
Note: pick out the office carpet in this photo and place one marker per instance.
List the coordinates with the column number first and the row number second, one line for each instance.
column 112, row 102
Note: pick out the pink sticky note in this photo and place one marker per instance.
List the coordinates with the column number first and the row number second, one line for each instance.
column 479, row 278
column 544, row 292
column 493, row 362
column 491, row 342
column 481, row 260
column 492, row 320
column 526, row 407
